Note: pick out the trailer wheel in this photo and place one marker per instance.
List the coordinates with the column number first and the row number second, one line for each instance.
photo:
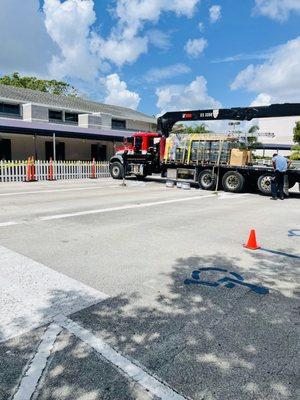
column 233, row 182
column 292, row 182
column 116, row 170
column 207, row 179
column 264, row 184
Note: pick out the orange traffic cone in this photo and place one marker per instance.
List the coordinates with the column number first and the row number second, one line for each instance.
column 252, row 243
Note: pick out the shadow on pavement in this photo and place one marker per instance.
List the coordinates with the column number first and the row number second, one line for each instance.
column 210, row 343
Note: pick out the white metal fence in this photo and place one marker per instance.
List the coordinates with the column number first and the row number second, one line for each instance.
column 22, row 171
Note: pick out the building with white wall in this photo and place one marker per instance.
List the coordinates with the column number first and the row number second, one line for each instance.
column 283, row 128
column 45, row 126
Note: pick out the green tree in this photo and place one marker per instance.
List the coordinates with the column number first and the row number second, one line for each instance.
column 297, row 133
column 252, row 140
column 201, row 128
column 43, row 85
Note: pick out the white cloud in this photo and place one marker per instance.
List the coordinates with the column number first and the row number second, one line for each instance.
column 119, row 51
column 69, row 25
column 159, row 39
column 263, row 99
column 258, row 55
column 158, row 74
column 279, row 76
column 60, row 40
column 25, row 45
column 132, row 14
column 118, row 94
column 127, row 42
column 215, row 13
column 277, row 9
column 201, row 26
column 189, row 97
column 194, row 47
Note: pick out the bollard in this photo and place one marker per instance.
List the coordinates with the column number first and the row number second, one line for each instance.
column 33, row 178
column 93, row 175
column 28, row 170
column 50, row 170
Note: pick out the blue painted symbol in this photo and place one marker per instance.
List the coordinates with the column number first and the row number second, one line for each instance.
column 229, row 282
column 294, row 232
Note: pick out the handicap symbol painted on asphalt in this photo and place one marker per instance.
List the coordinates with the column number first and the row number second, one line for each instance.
column 228, row 281
column 294, row 232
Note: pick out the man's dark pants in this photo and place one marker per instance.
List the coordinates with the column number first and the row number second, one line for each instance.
column 277, row 184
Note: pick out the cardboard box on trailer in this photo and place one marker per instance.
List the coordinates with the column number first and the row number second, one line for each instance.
column 240, row 158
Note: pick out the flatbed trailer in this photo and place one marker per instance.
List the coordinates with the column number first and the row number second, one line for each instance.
column 234, row 179
column 147, row 154
column 218, row 161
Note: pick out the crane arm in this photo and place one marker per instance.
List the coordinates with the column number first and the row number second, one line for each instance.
column 166, row 122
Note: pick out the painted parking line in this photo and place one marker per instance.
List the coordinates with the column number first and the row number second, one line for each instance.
column 56, row 190
column 32, row 376
column 231, row 196
column 31, row 294
column 137, row 373
column 113, row 209
column 9, row 223
column 122, row 208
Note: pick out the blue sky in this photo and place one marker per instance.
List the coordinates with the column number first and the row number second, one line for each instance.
column 153, row 55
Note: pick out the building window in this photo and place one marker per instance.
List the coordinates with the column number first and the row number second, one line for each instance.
column 10, row 109
column 71, row 118
column 118, row 124
column 55, row 116
column 99, row 152
column 5, row 149
column 59, row 150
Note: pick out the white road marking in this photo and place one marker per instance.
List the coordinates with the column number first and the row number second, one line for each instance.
column 29, row 382
column 31, row 294
column 226, row 196
column 56, row 190
column 132, row 370
column 223, row 196
column 121, row 208
column 9, row 223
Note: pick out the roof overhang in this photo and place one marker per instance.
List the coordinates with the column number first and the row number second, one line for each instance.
column 61, row 130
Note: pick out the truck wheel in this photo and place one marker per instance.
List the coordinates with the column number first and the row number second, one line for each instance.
column 233, row 182
column 207, row 180
column 292, row 182
column 116, row 170
column 264, row 184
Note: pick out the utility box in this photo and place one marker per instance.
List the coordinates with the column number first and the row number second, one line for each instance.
column 240, row 158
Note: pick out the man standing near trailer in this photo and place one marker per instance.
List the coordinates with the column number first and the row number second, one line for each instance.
column 280, row 165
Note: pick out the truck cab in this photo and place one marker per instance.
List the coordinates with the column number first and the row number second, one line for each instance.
column 138, row 156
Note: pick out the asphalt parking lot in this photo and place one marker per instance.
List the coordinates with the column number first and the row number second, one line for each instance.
column 146, row 292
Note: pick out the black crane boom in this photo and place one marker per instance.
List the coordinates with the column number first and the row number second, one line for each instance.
column 166, row 122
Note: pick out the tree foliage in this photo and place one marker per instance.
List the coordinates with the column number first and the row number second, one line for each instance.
column 43, row 85
column 252, row 140
column 200, row 128
column 253, row 129
column 297, row 133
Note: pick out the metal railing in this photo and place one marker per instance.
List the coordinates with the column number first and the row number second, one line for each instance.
column 30, row 170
